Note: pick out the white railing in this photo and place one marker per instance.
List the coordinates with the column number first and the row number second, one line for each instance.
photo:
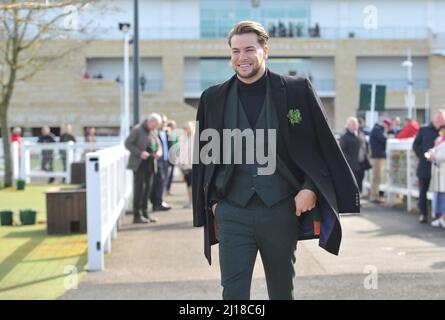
column 74, row 152
column 109, row 188
column 401, row 179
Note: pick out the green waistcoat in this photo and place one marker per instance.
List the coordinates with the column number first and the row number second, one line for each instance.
column 239, row 182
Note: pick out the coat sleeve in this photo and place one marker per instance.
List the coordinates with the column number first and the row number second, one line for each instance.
column 345, row 185
column 417, row 145
column 199, row 206
column 345, row 147
column 130, row 143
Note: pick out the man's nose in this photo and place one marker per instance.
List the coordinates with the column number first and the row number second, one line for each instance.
column 242, row 55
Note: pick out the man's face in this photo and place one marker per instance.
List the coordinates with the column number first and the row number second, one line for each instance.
column 45, row 131
column 438, row 119
column 153, row 124
column 247, row 55
column 353, row 125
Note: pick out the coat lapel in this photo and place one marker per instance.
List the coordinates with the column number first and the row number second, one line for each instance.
column 219, row 104
column 279, row 99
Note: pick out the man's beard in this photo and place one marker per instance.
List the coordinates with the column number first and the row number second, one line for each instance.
column 253, row 73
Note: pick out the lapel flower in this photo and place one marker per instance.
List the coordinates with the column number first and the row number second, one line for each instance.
column 294, row 116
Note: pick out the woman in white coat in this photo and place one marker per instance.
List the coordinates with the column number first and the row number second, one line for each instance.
column 437, row 156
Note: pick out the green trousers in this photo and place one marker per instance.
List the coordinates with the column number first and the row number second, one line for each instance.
column 242, row 232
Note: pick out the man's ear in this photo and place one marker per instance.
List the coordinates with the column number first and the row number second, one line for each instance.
column 266, row 51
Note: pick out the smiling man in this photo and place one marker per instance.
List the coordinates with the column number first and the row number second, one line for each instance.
column 246, row 212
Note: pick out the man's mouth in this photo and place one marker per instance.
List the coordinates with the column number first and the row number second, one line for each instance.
column 244, row 65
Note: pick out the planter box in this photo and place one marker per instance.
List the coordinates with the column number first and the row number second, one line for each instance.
column 28, row 216
column 21, row 184
column 66, row 211
column 6, row 218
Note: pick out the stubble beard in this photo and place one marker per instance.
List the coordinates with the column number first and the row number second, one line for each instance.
column 252, row 74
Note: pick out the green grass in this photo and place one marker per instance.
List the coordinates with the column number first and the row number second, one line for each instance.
column 34, row 265
column 33, row 197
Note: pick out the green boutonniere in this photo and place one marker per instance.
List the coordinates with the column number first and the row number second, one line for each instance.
column 294, row 116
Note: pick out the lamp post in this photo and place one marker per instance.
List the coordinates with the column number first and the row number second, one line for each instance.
column 136, row 64
column 125, row 121
column 409, row 98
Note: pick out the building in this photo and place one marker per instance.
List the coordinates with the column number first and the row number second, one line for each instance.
column 337, row 43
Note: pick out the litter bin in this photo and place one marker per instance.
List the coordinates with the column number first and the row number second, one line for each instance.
column 6, row 217
column 78, row 173
column 21, row 184
column 66, row 211
column 28, row 216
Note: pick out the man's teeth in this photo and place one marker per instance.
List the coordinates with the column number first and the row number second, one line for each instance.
column 244, row 65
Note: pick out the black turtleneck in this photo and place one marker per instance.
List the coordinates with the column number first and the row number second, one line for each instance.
column 252, row 97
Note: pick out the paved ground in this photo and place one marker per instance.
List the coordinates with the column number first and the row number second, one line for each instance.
column 165, row 261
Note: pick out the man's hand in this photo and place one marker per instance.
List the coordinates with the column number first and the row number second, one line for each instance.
column 214, row 208
column 305, row 201
column 144, row 155
column 157, row 155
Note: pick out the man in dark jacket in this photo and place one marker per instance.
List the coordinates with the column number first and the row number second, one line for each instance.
column 145, row 148
column 246, row 210
column 65, row 137
column 47, row 155
column 160, row 178
column 377, row 140
column 422, row 143
column 353, row 144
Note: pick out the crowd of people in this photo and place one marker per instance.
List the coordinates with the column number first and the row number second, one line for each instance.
column 151, row 144
column 366, row 150
column 154, row 146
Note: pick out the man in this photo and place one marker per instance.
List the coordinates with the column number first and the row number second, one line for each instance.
column 361, row 126
column 246, row 211
column 16, row 136
column 423, row 142
column 47, row 155
column 377, row 140
column 353, row 145
column 172, row 140
column 409, row 130
column 395, row 127
column 66, row 137
column 160, row 178
column 144, row 146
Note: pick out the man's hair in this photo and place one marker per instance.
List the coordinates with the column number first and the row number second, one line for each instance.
column 154, row 116
column 350, row 119
column 244, row 27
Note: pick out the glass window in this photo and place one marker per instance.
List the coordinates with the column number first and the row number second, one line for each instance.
column 218, row 17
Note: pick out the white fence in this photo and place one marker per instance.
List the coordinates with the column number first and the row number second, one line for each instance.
column 401, row 179
column 27, row 161
column 29, row 166
column 109, row 188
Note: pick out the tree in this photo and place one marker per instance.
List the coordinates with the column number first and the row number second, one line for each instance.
column 25, row 29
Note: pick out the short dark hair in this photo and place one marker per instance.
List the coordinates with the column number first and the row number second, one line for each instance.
column 244, row 27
